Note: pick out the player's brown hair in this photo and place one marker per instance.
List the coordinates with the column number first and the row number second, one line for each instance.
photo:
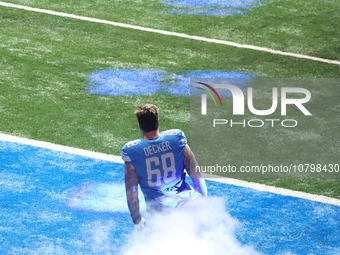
column 147, row 116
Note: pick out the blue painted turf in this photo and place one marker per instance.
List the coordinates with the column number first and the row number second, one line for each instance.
column 212, row 7
column 58, row 203
column 118, row 82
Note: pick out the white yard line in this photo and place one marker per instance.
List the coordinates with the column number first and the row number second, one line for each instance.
column 158, row 31
column 117, row 159
column 61, row 148
column 272, row 189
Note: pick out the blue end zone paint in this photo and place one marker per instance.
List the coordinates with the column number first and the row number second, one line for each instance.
column 35, row 187
column 38, row 186
column 117, row 82
column 106, row 197
column 212, row 7
column 276, row 224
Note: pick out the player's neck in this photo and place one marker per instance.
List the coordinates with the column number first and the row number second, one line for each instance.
column 150, row 135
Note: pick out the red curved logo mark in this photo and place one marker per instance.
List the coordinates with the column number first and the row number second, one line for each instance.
column 213, row 90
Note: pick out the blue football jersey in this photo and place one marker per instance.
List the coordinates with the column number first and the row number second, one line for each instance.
column 158, row 163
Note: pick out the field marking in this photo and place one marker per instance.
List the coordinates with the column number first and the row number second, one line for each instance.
column 61, row 148
column 158, row 31
column 117, row 159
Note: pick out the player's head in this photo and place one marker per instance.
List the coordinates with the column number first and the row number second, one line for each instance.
column 147, row 116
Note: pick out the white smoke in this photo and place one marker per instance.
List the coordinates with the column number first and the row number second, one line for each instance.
column 101, row 238
column 205, row 228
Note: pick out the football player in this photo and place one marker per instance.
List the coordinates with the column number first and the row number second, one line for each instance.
column 157, row 164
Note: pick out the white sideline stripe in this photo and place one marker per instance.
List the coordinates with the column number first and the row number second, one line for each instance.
column 198, row 38
column 272, row 189
column 117, row 159
column 61, row 148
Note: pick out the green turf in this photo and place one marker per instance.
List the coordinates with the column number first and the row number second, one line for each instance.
column 45, row 61
column 299, row 26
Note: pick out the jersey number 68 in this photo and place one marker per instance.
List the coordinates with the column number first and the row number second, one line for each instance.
column 164, row 170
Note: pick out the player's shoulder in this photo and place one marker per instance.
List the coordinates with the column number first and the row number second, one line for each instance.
column 131, row 144
column 175, row 135
column 173, row 132
column 128, row 150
